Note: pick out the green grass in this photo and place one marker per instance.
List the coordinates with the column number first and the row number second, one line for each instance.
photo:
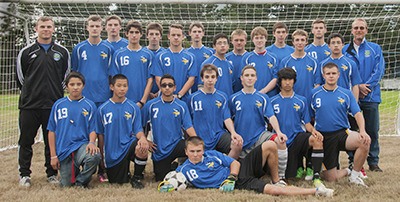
column 389, row 109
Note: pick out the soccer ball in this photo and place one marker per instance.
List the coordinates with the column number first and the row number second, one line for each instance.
column 177, row 179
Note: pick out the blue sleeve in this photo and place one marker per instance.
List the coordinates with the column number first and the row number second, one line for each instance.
column 355, row 76
column 225, row 110
column 318, row 75
column 51, row 125
column 92, row 120
column 378, row 68
column 157, row 66
column 145, row 114
column 226, row 160
column 193, row 71
column 137, row 123
column 74, row 59
column 99, row 123
column 306, row 117
column 186, row 119
column 269, row 112
column 354, row 108
column 114, row 67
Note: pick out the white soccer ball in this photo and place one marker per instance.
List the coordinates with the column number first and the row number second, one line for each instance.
column 177, row 179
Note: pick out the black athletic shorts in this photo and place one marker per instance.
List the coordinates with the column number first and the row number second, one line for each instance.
column 120, row 172
column 296, row 151
column 163, row 167
column 334, row 142
column 224, row 143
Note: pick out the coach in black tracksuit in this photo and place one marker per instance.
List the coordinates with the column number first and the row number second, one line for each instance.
column 41, row 69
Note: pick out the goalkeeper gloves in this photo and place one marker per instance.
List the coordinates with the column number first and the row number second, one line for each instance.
column 228, row 185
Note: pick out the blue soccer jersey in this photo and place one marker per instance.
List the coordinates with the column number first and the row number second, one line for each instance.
column 266, row 65
column 209, row 111
column 305, row 68
column 119, row 123
column 166, row 119
column 319, row 53
column 331, row 108
column 154, row 87
column 135, row 65
column 72, row 121
column 349, row 75
column 236, row 61
column 225, row 74
column 292, row 113
column 280, row 52
column 248, row 111
column 180, row 65
column 93, row 61
column 201, row 54
column 210, row 172
column 120, row 44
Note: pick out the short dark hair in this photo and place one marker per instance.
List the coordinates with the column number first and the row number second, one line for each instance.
column 279, row 25
column 286, row 73
column 167, row 76
column 208, row 67
column 116, row 77
column 219, row 36
column 176, row 26
column 154, row 25
column 74, row 75
column 135, row 24
column 195, row 140
column 248, row 67
column 330, row 65
column 334, row 35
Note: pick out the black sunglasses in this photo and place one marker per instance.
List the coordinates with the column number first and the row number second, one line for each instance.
column 164, row 85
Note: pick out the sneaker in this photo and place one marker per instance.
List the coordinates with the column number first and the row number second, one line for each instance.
column 363, row 174
column 300, row 173
column 53, row 180
column 25, row 181
column 318, row 183
column 323, row 191
column 280, row 183
column 309, row 174
column 357, row 181
column 103, row 177
column 136, row 183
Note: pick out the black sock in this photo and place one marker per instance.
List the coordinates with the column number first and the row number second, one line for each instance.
column 317, row 156
column 140, row 165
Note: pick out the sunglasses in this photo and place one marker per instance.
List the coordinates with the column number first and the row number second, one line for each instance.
column 359, row 28
column 164, row 85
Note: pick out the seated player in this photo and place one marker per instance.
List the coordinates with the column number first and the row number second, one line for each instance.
column 121, row 138
column 212, row 169
column 72, row 136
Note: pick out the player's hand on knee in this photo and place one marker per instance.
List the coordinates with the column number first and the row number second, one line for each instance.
column 143, row 144
column 364, row 138
column 55, row 163
column 92, row 149
column 152, row 146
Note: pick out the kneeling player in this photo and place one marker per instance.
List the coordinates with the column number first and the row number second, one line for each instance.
column 120, row 135
column 212, row 169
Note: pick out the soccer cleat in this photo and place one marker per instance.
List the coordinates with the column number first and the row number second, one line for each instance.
column 363, row 174
column 136, row 183
column 102, row 177
column 280, row 183
column 53, row 180
column 25, row 181
column 323, row 191
column 357, row 181
column 309, row 174
column 300, row 173
column 318, row 183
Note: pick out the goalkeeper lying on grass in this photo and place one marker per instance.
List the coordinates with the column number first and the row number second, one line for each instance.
column 212, row 169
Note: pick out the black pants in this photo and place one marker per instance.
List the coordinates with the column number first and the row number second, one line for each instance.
column 29, row 123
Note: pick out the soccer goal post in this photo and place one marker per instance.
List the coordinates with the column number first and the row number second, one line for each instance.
column 17, row 18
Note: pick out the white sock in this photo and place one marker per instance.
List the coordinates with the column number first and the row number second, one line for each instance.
column 354, row 174
column 282, row 162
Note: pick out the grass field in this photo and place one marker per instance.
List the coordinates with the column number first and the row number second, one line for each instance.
column 382, row 186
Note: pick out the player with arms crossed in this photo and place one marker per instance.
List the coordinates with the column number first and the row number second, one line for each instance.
column 318, row 49
column 113, row 28
column 72, row 136
column 238, row 40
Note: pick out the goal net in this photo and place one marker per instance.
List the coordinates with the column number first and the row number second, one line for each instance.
column 17, row 19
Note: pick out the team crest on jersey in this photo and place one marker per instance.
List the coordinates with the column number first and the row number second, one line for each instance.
column 84, row 112
column 344, row 67
column 143, row 59
column 218, row 103
column 327, row 53
column 185, row 61
column 367, row 53
column 269, row 64
column 56, row 56
column 309, row 68
column 127, row 115
column 103, row 55
column 210, row 164
column 341, row 100
column 258, row 104
column 206, row 55
column 296, row 107
column 176, row 112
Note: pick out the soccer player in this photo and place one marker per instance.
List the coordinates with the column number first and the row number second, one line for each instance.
column 331, row 104
column 318, row 49
column 134, row 62
column 248, row 109
column 113, row 27
column 121, row 137
column 238, row 40
column 167, row 116
column 72, row 136
column 280, row 48
column 225, row 68
column 369, row 58
column 210, row 112
column 211, row 169
column 41, row 69
column 292, row 113
column 200, row 52
column 176, row 62
column 92, row 58
column 265, row 62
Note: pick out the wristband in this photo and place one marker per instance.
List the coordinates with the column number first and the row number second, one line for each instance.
column 53, row 157
column 233, row 177
column 141, row 103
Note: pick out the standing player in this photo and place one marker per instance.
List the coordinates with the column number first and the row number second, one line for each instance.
column 331, row 104
column 210, row 112
column 134, row 62
column 167, row 116
column 265, row 62
column 72, row 136
column 249, row 108
column 121, row 138
column 211, row 169
column 41, row 69
column 92, row 58
column 280, row 48
column 200, row 52
column 238, row 40
column 113, row 27
column 369, row 58
column 176, row 62
column 318, row 49
column 292, row 113
column 225, row 68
